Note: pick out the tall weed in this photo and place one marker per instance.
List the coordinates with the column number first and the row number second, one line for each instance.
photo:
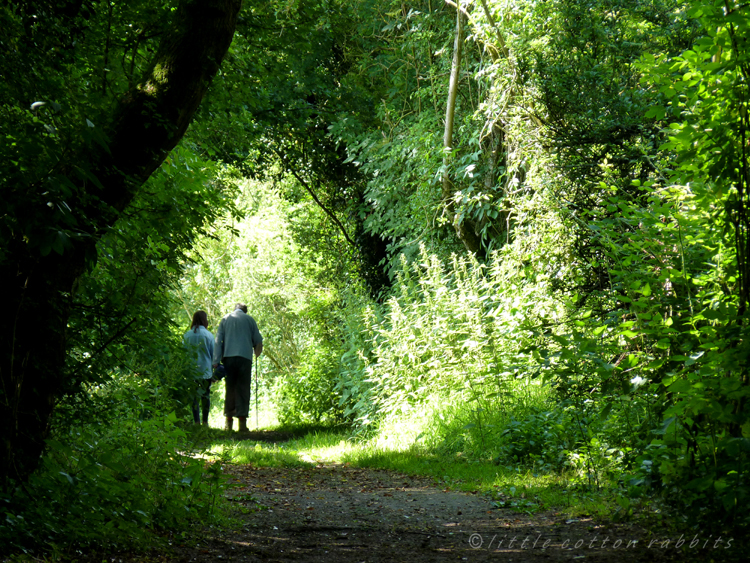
column 451, row 348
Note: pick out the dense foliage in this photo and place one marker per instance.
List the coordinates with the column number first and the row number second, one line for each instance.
column 507, row 230
column 117, row 469
column 94, row 99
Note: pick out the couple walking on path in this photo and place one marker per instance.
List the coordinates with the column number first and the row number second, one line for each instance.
column 237, row 340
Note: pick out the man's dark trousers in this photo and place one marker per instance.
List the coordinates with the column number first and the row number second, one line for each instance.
column 237, row 384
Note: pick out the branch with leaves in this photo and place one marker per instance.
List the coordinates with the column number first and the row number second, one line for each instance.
column 304, row 184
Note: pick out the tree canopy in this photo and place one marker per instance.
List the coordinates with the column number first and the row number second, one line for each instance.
column 524, row 220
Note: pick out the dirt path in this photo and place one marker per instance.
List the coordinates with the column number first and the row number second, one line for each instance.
column 337, row 513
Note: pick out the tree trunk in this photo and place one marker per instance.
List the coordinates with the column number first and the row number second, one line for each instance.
column 146, row 125
column 464, row 227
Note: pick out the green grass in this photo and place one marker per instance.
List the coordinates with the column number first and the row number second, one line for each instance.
column 517, row 488
column 260, row 454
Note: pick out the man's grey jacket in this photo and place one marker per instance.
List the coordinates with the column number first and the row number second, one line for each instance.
column 238, row 335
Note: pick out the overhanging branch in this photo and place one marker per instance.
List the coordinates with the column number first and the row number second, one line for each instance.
column 315, row 197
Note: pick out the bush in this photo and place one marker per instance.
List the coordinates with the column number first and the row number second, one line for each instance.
column 308, row 393
column 540, row 439
column 115, row 477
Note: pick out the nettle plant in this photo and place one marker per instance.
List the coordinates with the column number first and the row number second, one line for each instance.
column 452, row 333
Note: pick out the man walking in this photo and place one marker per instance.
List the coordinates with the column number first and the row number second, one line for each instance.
column 237, row 339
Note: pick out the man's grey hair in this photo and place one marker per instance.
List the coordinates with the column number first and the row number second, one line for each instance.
column 241, row 306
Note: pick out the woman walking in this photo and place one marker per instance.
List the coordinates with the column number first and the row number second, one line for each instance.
column 201, row 341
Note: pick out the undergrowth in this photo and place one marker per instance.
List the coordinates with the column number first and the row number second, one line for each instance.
column 121, row 469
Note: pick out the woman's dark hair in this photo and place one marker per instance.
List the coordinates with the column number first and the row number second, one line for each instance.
column 199, row 319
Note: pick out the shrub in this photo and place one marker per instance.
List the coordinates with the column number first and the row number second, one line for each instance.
column 540, row 439
column 308, row 393
column 116, row 470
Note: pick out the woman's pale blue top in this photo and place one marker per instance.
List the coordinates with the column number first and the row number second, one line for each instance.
column 202, row 344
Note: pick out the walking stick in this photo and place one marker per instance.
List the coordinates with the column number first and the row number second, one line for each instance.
column 256, row 392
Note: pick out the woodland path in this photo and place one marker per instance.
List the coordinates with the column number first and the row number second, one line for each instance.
column 336, row 513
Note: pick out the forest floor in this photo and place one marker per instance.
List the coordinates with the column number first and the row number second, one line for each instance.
column 337, row 513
